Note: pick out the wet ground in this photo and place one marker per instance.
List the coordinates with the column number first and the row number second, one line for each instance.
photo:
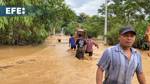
column 52, row 63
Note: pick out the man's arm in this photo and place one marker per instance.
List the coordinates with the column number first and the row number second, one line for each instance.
column 141, row 78
column 96, row 44
column 139, row 70
column 77, row 41
column 99, row 75
column 103, row 65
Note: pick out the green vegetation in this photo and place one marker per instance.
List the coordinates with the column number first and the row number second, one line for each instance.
column 47, row 18
column 50, row 16
column 126, row 12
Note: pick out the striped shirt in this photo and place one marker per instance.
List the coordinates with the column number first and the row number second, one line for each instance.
column 118, row 69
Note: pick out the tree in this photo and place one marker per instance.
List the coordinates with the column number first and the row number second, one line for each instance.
column 126, row 12
column 44, row 17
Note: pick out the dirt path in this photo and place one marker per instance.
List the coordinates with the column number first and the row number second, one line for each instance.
column 51, row 63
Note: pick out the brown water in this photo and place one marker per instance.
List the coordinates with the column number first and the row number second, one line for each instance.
column 51, row 63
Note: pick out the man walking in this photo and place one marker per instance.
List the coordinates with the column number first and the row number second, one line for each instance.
column 80, row 47
column 89, row 46
column 72, row 43
column 121, row 61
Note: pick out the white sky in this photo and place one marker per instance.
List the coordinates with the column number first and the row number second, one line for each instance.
column 89, row 7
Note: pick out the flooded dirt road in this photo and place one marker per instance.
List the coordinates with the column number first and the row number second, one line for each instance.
column 51, row 63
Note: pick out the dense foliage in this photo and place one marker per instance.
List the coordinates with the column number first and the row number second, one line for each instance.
column 127, row 12
column 47, row 17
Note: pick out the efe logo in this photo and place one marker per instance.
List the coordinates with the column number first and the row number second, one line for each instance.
column 15, row 10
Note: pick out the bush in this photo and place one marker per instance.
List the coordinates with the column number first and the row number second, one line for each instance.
column 113, row 34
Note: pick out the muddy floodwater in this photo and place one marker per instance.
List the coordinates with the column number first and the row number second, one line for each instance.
column 52, row 63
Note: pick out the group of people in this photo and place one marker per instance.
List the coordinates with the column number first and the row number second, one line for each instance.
column 82, row 45
column 119, row 62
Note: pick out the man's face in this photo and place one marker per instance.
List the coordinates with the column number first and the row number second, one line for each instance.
column 127, row 39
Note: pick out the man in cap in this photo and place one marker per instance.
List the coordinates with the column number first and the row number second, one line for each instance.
column 121, row 61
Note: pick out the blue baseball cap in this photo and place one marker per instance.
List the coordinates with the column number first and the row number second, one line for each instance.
column 126, row 30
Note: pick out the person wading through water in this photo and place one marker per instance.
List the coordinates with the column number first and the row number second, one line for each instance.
column 121, row 61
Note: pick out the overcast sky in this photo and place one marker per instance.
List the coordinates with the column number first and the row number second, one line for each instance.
column 87, row 6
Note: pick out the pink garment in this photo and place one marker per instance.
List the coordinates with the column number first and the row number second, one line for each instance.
column 89, row 45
